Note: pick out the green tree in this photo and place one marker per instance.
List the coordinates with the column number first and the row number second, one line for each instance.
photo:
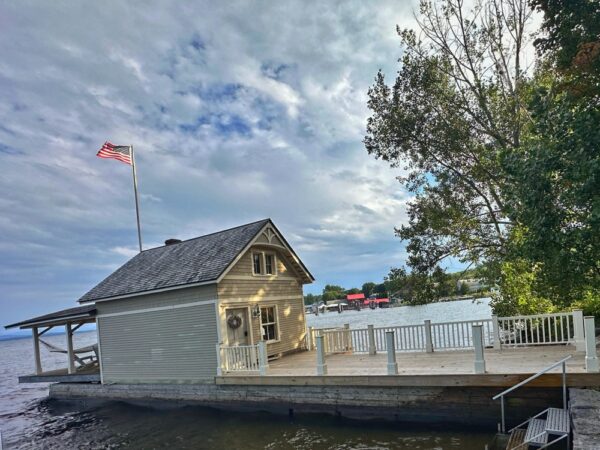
column 333, row 292
column 503, row 163
column 456, row 106
column 367, row 288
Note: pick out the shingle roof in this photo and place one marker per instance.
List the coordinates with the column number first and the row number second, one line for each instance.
column 197, row 260
column 87, row 310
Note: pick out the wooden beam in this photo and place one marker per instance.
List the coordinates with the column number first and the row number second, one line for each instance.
column 78, row 327
column 70, row 354
column 45, row 330
column 484, row 380
column 36, row 350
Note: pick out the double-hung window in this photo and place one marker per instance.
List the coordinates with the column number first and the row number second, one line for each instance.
column 264, row 263
column 257, row 262
column 268, row 322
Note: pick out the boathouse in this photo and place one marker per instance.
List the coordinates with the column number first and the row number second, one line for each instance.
column 161, row 315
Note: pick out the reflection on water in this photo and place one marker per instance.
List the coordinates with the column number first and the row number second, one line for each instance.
column 29, row 422
column 119, row 425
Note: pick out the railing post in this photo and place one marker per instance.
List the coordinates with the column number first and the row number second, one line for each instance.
column 321, row 364
column 70, row 354
column 263, row 363
column 36, row 350
column 503, row 427
column 372, row 346
column 392, row 365
column 309, row 338
column 564, row 384
column 428, row 337
column 591, row 356
column 478, row 344
column 219, row 363
column 496, row 332
column 347, row 337
column 579, row 330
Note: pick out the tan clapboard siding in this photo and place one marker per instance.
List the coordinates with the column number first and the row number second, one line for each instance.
column 168, row 298
column 240, row 288
column 166, row 346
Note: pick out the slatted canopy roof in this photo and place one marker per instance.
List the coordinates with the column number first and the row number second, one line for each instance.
column 77, row 314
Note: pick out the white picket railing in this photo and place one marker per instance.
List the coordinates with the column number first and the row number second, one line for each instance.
column 459, row 335
column 239, row 358
column 408, row 338
column 542, row 329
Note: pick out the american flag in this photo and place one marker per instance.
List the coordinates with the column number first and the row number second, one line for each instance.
column 120, row 152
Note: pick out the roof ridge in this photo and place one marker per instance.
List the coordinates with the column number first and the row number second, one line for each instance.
column 209, row 234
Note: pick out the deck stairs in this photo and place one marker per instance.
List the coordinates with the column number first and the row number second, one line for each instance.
column 541, row 431
column 545, row 428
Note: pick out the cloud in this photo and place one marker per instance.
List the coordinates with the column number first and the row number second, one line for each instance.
column 237, row 112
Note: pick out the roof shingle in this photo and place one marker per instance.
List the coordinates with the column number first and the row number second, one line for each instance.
column 197, row 260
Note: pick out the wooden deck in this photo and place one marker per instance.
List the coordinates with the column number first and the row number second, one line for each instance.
column 452, row 368
column 89, row 375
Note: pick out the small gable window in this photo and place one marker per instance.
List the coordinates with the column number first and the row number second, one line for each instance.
column 257, row 261
column 264, row 263
column 269, row 264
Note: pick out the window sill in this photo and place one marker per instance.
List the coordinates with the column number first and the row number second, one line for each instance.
column 273, row 341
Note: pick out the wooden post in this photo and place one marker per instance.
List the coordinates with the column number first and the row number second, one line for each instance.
column 70, row 354
column 372, row 346
column 321, row 364
column 392, row 365
column 478, row 344
column 36, row 351
column 428, row 338
column 219, row 363
column 579, row 330
column 591, row 356
column 496, row 331
column 309, row 338
column 347, row 337
column 263, row 361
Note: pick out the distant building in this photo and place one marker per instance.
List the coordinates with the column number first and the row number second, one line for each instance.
column 472, row 284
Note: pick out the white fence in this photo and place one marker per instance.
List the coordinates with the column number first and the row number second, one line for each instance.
column 541, row 329
column 242, row 358
column 459, row 335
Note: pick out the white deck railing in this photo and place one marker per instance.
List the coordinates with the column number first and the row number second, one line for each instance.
column 459, row 335
column 541, row 329
column 239, row 358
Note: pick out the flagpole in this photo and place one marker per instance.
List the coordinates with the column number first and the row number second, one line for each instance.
column 137, row 202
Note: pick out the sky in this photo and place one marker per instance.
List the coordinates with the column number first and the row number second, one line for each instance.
column 238, row 111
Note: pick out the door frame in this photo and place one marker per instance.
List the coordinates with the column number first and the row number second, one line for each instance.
column 248, row 322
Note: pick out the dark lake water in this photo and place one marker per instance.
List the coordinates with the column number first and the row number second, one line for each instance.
column 29, row 421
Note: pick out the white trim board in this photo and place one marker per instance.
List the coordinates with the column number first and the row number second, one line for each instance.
column 153, row 291
column 253, row 299
column 158, row 308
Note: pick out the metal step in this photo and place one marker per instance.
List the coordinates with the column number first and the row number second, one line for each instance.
column 557, row 421
column 516, row 439
column 536, row 432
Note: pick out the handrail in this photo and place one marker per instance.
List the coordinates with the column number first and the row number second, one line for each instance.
column 502, row 394
column 531, row 378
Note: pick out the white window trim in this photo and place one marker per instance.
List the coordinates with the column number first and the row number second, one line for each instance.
column 276, row 317
column 263, row 262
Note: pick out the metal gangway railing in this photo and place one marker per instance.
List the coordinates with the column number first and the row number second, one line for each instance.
column 534, row 436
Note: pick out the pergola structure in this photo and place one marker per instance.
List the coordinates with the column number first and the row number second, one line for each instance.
column 72, row 319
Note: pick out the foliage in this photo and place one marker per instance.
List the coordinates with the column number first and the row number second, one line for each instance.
column 455, row 107
column 368, row 288
column 503, row 162
column 518, row 280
